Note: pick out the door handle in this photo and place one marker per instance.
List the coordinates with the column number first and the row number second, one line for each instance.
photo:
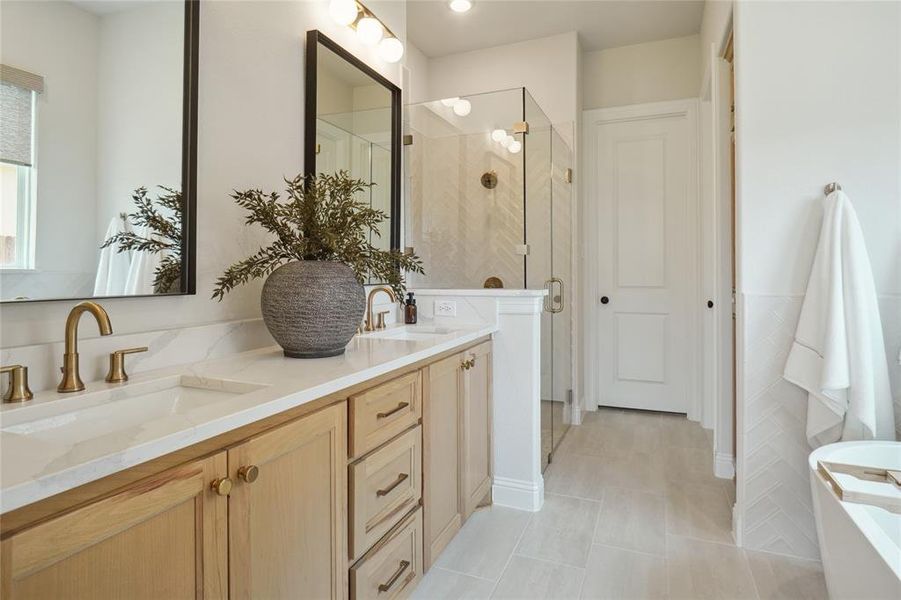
column 550, row 300
column 605, row 300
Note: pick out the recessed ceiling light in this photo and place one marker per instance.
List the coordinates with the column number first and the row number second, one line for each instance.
column 460, row 6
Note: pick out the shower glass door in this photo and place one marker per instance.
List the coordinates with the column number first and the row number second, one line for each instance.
column 488, row 202
column 561, row 290
column 538, row 192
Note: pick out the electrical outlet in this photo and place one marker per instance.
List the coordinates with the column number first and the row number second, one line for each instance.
column 445, row 308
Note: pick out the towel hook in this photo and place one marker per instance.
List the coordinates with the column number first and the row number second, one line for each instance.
column 832, row 187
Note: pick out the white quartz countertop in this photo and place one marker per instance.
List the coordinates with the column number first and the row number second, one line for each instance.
column 36, row 467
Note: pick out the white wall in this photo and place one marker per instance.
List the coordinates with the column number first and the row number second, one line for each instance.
column 33, row 34
column 818, row 99
column 547, row 67
column 416, row 88
column 649, row 72
column 139, row 106
column 716, row 23
column 250, row 134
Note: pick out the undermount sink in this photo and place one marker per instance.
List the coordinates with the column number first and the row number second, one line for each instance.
column 412, row 333
column 97, row 414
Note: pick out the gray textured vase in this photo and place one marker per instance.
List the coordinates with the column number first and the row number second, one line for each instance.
column 312, row 308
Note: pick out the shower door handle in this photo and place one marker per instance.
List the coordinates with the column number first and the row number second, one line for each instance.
column 551, row 301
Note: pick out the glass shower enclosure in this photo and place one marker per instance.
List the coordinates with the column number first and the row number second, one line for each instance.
column 488, row 203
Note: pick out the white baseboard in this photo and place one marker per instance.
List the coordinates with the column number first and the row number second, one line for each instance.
column 518, row 494
column 723, row 465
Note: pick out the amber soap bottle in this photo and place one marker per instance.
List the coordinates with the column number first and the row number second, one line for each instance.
column 410, row 309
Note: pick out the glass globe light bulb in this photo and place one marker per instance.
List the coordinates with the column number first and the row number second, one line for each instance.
column 370, row 31
column 462, row 107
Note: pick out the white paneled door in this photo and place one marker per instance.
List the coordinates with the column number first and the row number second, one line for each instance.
column 643, row 174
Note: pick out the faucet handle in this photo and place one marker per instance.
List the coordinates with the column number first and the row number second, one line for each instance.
column 117, row 372
column 18, row 390
column 380, row 319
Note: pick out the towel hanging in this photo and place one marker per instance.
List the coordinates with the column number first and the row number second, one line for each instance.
column 838, row 355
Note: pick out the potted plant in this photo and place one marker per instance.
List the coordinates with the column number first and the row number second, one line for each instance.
column 313, row 299
column 158, row 231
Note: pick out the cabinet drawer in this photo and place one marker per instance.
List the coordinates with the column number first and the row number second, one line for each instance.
column 394, row 568
column 384, row 487
column 379, row 414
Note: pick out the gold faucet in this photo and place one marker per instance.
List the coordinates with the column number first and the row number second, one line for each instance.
column 71, row 381
column 371, row 324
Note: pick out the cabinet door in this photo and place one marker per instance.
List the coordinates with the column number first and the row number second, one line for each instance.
column 475, row 470
column 164, row 537
column 287, row 527
column 443, row 384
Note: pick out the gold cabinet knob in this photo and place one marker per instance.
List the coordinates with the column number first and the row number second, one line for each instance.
column 222, row 486
column 249, row 473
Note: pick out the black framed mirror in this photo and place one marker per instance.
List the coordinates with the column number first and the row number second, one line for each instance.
column 98, row 149
column 352, row 122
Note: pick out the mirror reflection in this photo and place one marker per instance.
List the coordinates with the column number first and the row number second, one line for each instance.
column 353, row 131
column 91, row 149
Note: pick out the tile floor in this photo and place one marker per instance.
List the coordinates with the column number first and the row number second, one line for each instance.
column 632, row 510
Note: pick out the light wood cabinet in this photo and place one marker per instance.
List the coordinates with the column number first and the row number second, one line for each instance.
column 443, row 386
column 382, row 412
column 295, row 517
column 383, row 487
column 164, row 538
column 394, row 566
column 475, row 451
column 287, row 536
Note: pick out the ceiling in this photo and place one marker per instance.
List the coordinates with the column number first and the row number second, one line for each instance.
column 438, row 31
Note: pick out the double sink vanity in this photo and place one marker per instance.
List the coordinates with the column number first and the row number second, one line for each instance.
column 253, row 475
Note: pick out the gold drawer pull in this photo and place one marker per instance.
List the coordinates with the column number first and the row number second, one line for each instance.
column 400, row 479
column 400, row 571
column 399, row 407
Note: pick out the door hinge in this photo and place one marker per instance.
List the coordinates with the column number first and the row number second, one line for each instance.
column 568, row 175
column 408, row 139
column 521, row 127
column 521, row 250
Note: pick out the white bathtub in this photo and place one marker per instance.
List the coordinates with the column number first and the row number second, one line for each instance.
column 860, row 544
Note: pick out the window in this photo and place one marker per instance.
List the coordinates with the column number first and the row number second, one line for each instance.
column 18, row 95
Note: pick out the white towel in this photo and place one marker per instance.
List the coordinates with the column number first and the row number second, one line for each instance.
column 143, row 269
column 838, row 355
column 112, row 270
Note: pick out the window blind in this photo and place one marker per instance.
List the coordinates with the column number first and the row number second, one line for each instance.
column 17, row 91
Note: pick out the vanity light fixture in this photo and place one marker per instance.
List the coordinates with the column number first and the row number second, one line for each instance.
column 498, row 135
column 370, row 29
column 505, row 142
column 514, row 147
column 460, row 6
column 391, row 50
column 343, row 12
column 462, row 107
